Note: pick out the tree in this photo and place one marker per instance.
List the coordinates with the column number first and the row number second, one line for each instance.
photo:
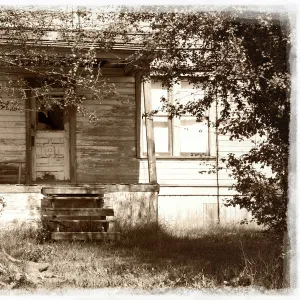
column 240, row 61
column 54, row 49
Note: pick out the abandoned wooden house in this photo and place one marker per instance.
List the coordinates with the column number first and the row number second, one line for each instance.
column 149, row 170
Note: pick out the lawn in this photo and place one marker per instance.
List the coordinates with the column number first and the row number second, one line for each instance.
column 149, row 259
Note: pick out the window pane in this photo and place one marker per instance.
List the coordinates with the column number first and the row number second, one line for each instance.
column 161, row 135
column 156, row 98
column 50, row 119
column 187, row 95
column 193, row 136
column 157, row 93
column 187, row 92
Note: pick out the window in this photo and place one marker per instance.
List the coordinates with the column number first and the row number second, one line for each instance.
column 50, row 118
column 178, row 137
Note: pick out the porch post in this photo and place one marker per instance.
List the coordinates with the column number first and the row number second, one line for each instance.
column 72, row 145
column 149, row 133
column 30, row 127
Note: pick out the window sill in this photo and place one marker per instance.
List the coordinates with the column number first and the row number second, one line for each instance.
column 181, row 157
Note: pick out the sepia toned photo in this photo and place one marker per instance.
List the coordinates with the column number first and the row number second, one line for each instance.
column 147, row 149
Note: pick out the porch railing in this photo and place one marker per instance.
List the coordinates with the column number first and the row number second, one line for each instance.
column 19, row 169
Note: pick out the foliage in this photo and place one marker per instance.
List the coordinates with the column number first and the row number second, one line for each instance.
column 2, row 204
column 241, row 61
column 53, row 49
column 242, row 64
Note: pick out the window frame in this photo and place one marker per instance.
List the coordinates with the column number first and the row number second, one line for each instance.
column 55, row 109
column 173, row 142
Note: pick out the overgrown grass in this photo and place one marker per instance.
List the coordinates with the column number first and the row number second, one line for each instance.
column 147, row 258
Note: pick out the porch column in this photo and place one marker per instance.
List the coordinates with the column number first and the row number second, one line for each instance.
column 30, row 132
column 149, row 133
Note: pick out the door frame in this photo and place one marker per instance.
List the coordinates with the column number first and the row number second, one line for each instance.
column 30, row 131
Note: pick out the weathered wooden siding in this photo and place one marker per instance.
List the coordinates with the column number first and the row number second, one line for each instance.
column 12, row 142
column 106, row 149
column 185, row 172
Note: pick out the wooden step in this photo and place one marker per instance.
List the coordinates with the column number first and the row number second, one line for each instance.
column 68, row 190
column 75, row 197
column 74, row 212
column 50, row 219
column 77, row 218
column 84, row 236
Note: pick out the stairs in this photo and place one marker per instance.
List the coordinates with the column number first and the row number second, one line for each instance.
column 77, row 213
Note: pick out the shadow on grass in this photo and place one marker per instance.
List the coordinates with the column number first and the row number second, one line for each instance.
column 150, row 257
column 235, row 258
